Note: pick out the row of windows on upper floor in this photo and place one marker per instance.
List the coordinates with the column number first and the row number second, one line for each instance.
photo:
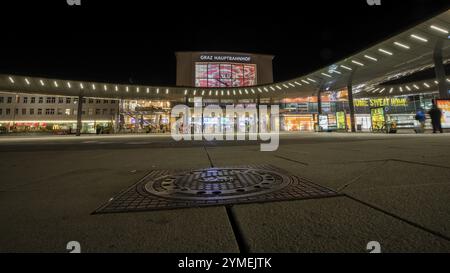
column 53, row 100
column 58, row 111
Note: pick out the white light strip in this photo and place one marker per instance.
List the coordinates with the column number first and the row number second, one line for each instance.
column 185, row 92
column 346, row 67
column 415, row 86
column 11, row 79
column 81, row 86
column 299, row 84
column 325, row 74
column 439, row 29
column 401, row 45
column 370, row 58
column 401, row 89
column 337, row 72
column 55, row 83
column 358, row 63
column 309, row 79
column 285, row 86
column 69, row 85
column 390, row 90
column 426, row 85
column 167, row 91
column 417, row 37
column 93, row 86
column 273, row 89
column 385, row 51
column 265, row 89
column 408, row 88
column 305, row 82
column 137, row 89
column 279, row 88
column 127, row 89
column 148, row 90
column 117, row 88
column 105, row 87
column 291, row 84
column 382, row 90
column 27, row 81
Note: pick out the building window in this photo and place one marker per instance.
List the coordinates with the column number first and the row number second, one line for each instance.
column 105, row 101
column 113, row 112
column 84, row 100
column 67, row 100
column 9, row 100
column 98, row 101
column 1, row 100
column 60, row 111
column 97, row 112
column 1, row 111
column 24, row 111
column 91, row 100
column 67, row 112
column 25, row 99
column 31, row 111
column 39, row 111
column 41, row 100
column 113, row 101
column 16, row 111
column 49, row 111
column 33, row 99
column 60, row 100
column 83, row 112
column 8, row 111
column 105, row 111
column 91, row 111
column 51, row 100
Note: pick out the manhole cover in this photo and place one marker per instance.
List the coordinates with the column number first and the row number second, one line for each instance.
column 166, row 189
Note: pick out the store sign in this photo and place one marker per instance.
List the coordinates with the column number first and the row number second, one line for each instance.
column 444, row 105
column 381, row 102
column 227, row 58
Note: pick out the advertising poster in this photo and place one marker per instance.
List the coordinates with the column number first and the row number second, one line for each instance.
column 323, row 123
column 444, row 105
column 340, row 116
column 225, row 75
column 378, row 118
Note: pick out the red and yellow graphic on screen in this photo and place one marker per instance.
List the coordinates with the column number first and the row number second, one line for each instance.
column 224, row 74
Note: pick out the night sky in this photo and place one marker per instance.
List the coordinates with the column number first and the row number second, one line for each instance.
column 130, row 41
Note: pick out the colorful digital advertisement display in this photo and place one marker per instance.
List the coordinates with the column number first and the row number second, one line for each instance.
column 225, row 75
column 340, row 116
column 323, row 122
column 378, row 118
column 444, row 105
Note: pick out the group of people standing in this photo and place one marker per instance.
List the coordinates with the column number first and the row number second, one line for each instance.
column 435, row 115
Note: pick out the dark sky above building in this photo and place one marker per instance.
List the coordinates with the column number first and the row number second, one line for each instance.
column 135, row 40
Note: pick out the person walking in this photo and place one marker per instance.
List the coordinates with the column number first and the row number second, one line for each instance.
column 421, row 118
column 436, row 114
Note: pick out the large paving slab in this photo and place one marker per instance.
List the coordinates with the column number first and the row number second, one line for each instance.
column 329, row 225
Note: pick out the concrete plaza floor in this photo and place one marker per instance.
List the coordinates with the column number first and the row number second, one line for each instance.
column 395, row 190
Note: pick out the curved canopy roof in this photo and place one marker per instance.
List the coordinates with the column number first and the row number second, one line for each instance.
column 396, row 57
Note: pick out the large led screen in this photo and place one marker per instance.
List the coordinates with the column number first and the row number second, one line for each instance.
column 224, row 75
